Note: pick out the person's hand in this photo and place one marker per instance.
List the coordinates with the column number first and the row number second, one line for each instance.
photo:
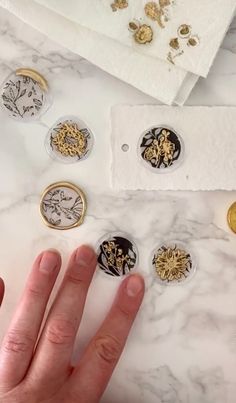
column 37, row 369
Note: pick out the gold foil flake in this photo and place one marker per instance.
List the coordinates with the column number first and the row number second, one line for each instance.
column 193, row 41
column 172, row 264
column 157, row 11
column 69, row 140
column 174, row 43
column 184, row 33
column 144, row 34
column 171, row 57
column 133, row 26
column 231, row 217
column 119, row 5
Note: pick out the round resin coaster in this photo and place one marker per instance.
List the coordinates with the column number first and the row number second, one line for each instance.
column 117, row 255
column 63, row 206
column 161, row 149
column 69, row 140
column 173, row 263
column 24, row 95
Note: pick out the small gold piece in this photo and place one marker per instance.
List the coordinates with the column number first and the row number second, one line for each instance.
column 63, row 206
column 35, row 76
column 193, row 41
column 144, row 34
column 133, row 26
column 184, row 31
column 172, row 263
column 174, row 43
column 156, row 11
column 152, row 10
column 70, row 141
column 119, row 5
column 231, row 217
column 171, row 57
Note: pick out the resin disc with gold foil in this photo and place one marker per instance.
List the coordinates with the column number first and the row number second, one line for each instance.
column 69, row 140
column 24, row 95
column 161, row 149
column 173, row 263
column 117, row 255
column 63, row 206
column 232, row 217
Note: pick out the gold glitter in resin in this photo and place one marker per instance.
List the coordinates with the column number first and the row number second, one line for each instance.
column 172, row 264
column 70, row 141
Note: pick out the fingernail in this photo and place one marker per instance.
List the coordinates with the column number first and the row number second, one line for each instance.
column 84, row 256
column 49, row 261
column 134, row 285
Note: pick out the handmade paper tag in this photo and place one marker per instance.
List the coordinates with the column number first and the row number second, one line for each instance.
column 208, row 148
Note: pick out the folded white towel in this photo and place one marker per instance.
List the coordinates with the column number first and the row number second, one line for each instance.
column 155, row 77
column 205, row 21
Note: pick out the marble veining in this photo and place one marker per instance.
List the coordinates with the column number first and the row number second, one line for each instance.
column 182, row 348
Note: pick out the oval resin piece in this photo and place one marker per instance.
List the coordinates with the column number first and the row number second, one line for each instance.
column 117, row 255
column 24, row 95
column 161, row 149
column 69, row 140
column 63, row 206
column 173, row 263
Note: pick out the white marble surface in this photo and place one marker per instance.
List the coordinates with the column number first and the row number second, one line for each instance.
column 183, row 346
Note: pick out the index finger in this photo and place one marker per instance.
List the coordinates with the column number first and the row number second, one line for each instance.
column 2, row 289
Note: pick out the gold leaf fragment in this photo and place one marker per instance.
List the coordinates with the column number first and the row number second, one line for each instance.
column 119, row 5
column 144, row 34
column 174, row 43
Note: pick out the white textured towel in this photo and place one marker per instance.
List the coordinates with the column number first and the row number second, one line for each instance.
column 208, row 19
column 208, row 135
column 155, row 77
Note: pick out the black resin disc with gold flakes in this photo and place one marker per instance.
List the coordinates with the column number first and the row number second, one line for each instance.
column 69, row 140
column 161, row 149
column 63, row 206
column 24, row 95
column 117, row 255
column 173, row 263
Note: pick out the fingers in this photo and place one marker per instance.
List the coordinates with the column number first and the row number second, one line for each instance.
column 102, row 354
column 57, row 340
column 18, row 345
column 2, row 288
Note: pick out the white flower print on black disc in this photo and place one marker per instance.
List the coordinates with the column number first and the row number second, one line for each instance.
column 69, row 140
column 24, row 95
column 161, row 149
column 117, row 255
column 63, row 206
